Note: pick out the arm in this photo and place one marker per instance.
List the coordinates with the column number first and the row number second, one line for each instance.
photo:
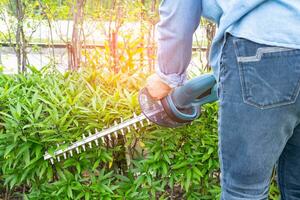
column 178, row 21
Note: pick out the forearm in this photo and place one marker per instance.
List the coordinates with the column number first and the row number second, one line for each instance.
column 178, row 21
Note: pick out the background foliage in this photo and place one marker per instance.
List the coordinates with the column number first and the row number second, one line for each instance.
column 71, row 24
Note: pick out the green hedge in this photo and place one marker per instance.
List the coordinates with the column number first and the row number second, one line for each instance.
column 40, row 109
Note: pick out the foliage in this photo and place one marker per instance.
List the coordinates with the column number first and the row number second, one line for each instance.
column 184, row 161
column 41, row 109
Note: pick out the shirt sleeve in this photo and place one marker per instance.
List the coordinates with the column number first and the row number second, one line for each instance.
column 178, row 21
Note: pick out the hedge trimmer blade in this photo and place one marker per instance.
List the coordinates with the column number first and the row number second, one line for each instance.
column 93, row 139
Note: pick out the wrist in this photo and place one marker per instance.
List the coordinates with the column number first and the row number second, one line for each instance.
column 172, row 80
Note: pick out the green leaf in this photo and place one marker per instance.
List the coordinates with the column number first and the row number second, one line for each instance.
column 61, row 174
column 19, row 110
column 8, row 149
column 197, row 171
column 87, row 196
column 165, row 168
column 61, row 190
column 38, row 112
column 96, row 164
column 171, row 182
column 80, row 195
column 107, row 188
column 157, row 155
column 122, row 178
column 78, row 167
column 13, row 182
column 42, row 170
column 70, row 192
column 50, row 173
column 167, row 158
column 27, row 157
column 6, row 115
column 139, row 181
column 210, row 150
column 25, row 174
column 180, row 165
column 188, row 179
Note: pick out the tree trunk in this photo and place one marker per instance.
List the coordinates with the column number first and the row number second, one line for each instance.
column 151, row 50
column 18, row 34
column 23, row 50
column 210, row 33
column 142, row 34
column 113, row 33
column 78, row 9
column 45, row 13
column 20, row 37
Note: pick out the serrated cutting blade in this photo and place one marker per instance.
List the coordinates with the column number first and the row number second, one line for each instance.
column 153, row 111
column 87, row 140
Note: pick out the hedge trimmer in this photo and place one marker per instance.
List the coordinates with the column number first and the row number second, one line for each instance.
column 180, row 107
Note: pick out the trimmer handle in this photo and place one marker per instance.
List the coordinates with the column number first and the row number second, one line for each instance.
column 196, row 92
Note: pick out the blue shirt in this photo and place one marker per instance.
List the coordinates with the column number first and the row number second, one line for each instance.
column 271, row 22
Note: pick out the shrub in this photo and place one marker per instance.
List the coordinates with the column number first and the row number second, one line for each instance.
column 42, row 109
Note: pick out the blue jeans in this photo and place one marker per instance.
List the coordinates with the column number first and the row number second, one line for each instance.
column 259, row 119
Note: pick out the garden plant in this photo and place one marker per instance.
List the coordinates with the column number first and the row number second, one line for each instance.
column 43, row 108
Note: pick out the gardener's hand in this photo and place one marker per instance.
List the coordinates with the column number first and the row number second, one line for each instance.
column 157, row 88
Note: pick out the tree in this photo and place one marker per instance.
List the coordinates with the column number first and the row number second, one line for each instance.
column 76, row 45
column 16, row 14
column 21, row 42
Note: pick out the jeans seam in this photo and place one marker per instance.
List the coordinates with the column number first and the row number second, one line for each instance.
column 242, row 82
column 221, row 80
column 281, row 178
column 222, row 73
column 222, row 162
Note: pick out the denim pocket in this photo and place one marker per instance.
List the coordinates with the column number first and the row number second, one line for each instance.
column 269, row 75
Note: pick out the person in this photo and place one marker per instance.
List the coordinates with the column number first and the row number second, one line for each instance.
column 255, row 57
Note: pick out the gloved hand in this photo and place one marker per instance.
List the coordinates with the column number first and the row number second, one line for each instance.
column 157, row 88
